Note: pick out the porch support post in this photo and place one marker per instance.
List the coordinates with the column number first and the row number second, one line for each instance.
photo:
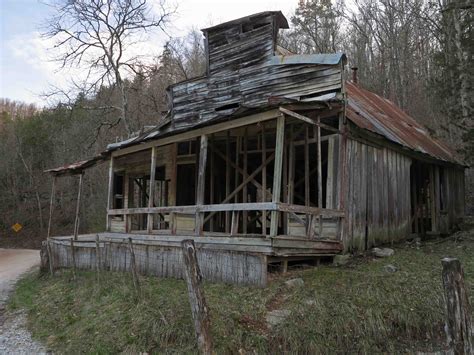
column 277, row 172
column 110, row 194
column 201, row 183
column 320, row 175
column 78, row 206
column 264, row 180
column 151, row 195
column 51, row 205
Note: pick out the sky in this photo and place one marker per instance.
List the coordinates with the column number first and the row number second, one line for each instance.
column 26, row 65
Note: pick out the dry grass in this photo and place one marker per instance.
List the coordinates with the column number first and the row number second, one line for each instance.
column 356, row 308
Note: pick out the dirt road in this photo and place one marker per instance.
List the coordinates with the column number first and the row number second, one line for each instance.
column 14, row 338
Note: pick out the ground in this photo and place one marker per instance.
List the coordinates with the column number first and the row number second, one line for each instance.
column 14, row 338
column 368, row 305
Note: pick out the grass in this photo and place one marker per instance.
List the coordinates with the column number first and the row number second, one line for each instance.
column 357, row 308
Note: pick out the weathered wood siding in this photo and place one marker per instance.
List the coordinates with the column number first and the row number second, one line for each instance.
column 216, row 265
column 377, row 197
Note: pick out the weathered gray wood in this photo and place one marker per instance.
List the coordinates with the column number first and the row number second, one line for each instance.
column 50, row 256
column 277, row 172
column 133, row 266
column 458, row 322
column 197, row 300
column 308, row 120
column 73, row 256
column 151, row 196
column 244, row 188
column 78, row 207
column 97, row 257
column 110, row 193
column 201, row 183
column 51, row 206
column 320, row 174
column 264, row 179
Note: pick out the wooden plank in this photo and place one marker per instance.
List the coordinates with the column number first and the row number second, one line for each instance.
column 264, row 179
column 306, row 168
column 190, row 134
column 244, row 188
column 320, row 174
column 330, row 191
column 110, row 193
column 78, row 207
column 308, row 120
column 151, row 195
column 277, row 172
column 51, row 206
column 200, row 187
column 227, row 178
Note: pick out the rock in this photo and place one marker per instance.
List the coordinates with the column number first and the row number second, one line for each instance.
column 390, row 268
column 294, row 283
column 382, row 252
column 277, row 316
column 341, row 259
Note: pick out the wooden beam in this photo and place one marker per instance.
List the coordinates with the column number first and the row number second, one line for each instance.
column 51, row 206
column 110, row 193
column 187, row 135
column 264, row 179
column 151, row 197
column 306, row 168
column 308, row 120
column 200, row 187
column 320, row 176
column 277, row 172
column 227, row 178
column 78, row 207
column 244, row 188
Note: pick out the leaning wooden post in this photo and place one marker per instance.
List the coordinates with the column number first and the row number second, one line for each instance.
column 73, row 256
column 133, row 266
column 48, row 244
column 151, row 196
column 201, row 183
column 458, row 323
column 199, row 309
column 78, row 207
column 277, row 172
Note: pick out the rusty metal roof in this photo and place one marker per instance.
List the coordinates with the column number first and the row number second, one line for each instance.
column 377, row 114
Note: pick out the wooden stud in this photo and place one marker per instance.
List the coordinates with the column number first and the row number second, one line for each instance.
column 200, row 187
column 110, row 194
column 320, row 175
column 244, row 189
column 197, row 300
column 264, row 179
column 78, row 207
column 151, row 196
column 277, row 172
column 211, row 179
column 51, row 206
column 227, row 178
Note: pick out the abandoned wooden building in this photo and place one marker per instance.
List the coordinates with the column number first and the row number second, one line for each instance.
column 269, row 157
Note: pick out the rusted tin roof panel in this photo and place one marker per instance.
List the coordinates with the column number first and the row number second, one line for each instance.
column 75, row 168
column 377, row 114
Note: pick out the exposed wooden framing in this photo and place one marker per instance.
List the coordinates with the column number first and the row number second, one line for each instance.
column 110, row 194
column 51, row 205
column 246, row 181
column 330, row 188
column 264, row 179
column 320, row 175
column 151, row 197
column 284, row 196
column 306, row 168
column 308, row 120
column 172, row 192
column 244, row 188
column 211, row 178
column 234, row 229
column 227, row 178
column 313, row 140
column 237, row 162
column 187, row 135
column 200, row 187
column 437, row 203
column 78, row 206
column 277, row 172
column 291, row 173
column 432, row 200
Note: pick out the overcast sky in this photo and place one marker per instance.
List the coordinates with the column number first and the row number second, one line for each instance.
column 26, row 68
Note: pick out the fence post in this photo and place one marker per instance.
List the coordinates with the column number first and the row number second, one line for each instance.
column 199, row 309
column 133, row 266
column 97, row 256
column 458, row 322
column 73, row 255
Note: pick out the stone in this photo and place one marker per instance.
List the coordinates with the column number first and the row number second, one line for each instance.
column 292, row 283
column 341, row 259
column 277, row 316
column 390, row 268
column 383, row 252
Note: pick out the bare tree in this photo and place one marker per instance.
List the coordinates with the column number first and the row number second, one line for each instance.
column 97, row 35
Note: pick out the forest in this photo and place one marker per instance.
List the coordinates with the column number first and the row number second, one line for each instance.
column 416, row 53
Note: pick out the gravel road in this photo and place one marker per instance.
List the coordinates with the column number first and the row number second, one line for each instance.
column 14, row 337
